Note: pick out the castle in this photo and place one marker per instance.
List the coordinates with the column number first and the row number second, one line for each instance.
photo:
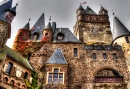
column 94, row 57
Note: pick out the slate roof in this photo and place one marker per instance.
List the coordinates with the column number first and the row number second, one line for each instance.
column 119, row 29
column 27, row 26
column 39, row 26
column 57, row 58
column 3, row 7
column 68, row 36
column 48, row 26
column 18, row 58
column 90, row 11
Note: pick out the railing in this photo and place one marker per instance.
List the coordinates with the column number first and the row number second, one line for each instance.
column 109, row 79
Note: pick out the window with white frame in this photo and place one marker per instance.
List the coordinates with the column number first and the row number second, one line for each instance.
column 55, row 77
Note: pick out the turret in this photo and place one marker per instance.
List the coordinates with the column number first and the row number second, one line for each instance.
column 103, row 11
column 121, row 36
column 7, row 14
column 47, row 33
column 23, row 35
column 80, row 12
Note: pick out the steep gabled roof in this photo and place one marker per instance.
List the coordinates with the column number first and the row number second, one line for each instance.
column 39, row 26
column 119, row 29
column 18, row 58
column 68, row 36
column 90, row 11
column 57, row 58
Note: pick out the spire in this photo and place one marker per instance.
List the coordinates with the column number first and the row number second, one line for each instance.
column 48, row 26
column 57, row 58
column 5, row 6
column 119, row 29
column 13, row 10
column 40, row 24
column 27, row 26
column 90, row 11
column 102, row 10
column 80, row 6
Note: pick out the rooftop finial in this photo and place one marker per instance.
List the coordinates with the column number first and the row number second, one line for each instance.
column 113, row 13
column 17, row 3
column 101, row 5
column 29, row 19
column 50, row 19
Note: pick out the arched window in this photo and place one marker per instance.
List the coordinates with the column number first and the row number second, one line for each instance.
column 12, row 82
column 60, row 36
column 8, row 70
column 26, row 75
column 108, row 76
column 5, row 80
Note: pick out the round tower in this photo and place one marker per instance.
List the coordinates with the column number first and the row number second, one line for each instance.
column 23, row 35
column 47, row 33
column 121, row 36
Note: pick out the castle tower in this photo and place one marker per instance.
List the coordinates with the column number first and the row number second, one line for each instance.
column 121, row 36
column 7, row 14
column 47, row 33
column 92, row 28
column 23, row 35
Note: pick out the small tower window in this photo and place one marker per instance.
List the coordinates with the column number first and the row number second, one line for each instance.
column 114, row 56
column 75, row 52
column 8, row 70
column 46, row 34
column 94, row 55
column 26, row 75
column 55, row 77
column 60, row 36
column 104, row 55
column 127, row 39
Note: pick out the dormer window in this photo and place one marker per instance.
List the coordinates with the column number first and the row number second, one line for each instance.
column 35, row 37
column 60, row 36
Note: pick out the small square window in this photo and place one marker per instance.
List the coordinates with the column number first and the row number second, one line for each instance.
column 114, row 56
column 94, row 55
column 56, row 70
column 104, row 55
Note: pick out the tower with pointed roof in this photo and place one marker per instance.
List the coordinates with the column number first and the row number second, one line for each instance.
column 121, row 36
column 7, row 14
column 23, row 35
column 47, row 33
column 92, row 28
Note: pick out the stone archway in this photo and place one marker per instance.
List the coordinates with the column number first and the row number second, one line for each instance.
column 109, row 79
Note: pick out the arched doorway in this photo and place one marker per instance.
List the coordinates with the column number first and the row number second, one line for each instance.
column 109, row 79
